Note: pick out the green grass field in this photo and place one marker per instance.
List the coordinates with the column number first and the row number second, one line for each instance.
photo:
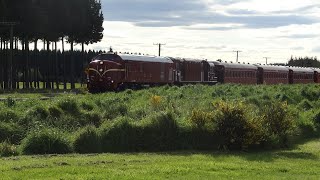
column 301, row 162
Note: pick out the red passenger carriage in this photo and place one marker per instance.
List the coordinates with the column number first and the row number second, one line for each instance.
column 272, row 74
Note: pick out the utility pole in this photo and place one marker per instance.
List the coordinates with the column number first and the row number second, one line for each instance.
column 267, row 59
column 159, row 44
column 237, row 54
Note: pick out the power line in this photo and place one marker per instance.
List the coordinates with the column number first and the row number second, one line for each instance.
column 159, row 44
column 237, row 55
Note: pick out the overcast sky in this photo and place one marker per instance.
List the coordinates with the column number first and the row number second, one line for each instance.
column 213, row 29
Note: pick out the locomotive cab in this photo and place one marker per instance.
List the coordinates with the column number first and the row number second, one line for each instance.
column 105, row 72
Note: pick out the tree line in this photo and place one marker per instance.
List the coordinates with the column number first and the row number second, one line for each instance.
column 79, row 21
column 304, row 61
column 27, row 21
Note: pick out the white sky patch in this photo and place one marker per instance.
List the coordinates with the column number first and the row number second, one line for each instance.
column 217, row 40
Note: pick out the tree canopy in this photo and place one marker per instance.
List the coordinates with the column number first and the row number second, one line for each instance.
column 304, row 62
column 79, row 21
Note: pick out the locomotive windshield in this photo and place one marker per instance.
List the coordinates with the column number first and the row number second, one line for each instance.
column 109, row 57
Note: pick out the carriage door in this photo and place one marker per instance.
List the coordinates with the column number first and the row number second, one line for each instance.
column 260, row 76
column 290, row 77
column 162, row 72
column 315, row 77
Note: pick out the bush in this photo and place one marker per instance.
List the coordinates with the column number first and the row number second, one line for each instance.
column 92, row 118
column 120, row 136
column 235, row 127
column 87, row 106
column 69, row 106
column 10, row 132
column 160, row 133
column 200, row 118
column 8, row 115
column 278, row 122
column 47, row 141
column 87, row 141
column 55, row 112
column 316, row 121
column 7, row 149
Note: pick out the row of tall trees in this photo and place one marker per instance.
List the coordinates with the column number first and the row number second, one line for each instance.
column 26, row 21
column 304, row 62
column 80, row 21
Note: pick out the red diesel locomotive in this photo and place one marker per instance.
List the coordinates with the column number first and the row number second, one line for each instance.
column 113, row 72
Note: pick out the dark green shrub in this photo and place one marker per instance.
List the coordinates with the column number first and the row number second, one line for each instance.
column 10, row 102
column 7, row 149
column 10, row 132
column 46, row 141
column 87, row 141
column 69, row 106
column 55, row 112
column 316, row 120
column 87, row 106
column 40, row 112
column 305, row 105
column 160, row 133
column 8, row 115
column 120, row 136
column 92, row 118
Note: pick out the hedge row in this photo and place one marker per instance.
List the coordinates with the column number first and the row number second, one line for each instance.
column 228, row 125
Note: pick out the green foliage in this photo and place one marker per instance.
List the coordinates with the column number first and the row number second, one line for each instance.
column 10, row 132
column 160, row 133
column 69, row 105
column 278, row 122
column 46, row 141
column 8, row 115
column 10, row 102
column 200, row 118
column 236, row 128
column 120, row 136
column 55, row 111
column 87, row 140
column 7, row 149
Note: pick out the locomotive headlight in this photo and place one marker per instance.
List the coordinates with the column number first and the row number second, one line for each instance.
column 101, row 70
column 101, row 62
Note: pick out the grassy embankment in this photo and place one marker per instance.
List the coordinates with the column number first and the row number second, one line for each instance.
column 301, row 162
column 161, row 119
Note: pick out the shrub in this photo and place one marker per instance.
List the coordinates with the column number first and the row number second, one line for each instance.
column 69, row 105
column 55, row 111
column 278, row 122
column 200, row 118
column 120, row 136
column 10, row 132
column 160, row 132
column 87, row 141
column 40, row 112
column 155, row 101
column 8, row 115
column 7, row 149
column 92, row 118
column 235, row 127
column 10, row 102
column 316, row 120
column 87, row 106
column 46, row 141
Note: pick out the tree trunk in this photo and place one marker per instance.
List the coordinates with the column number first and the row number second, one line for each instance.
column 72, row 67
column 64, row 66
column 27, row 63
column 56, row 65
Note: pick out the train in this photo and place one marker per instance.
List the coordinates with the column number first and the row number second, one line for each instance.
column 114, row 71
